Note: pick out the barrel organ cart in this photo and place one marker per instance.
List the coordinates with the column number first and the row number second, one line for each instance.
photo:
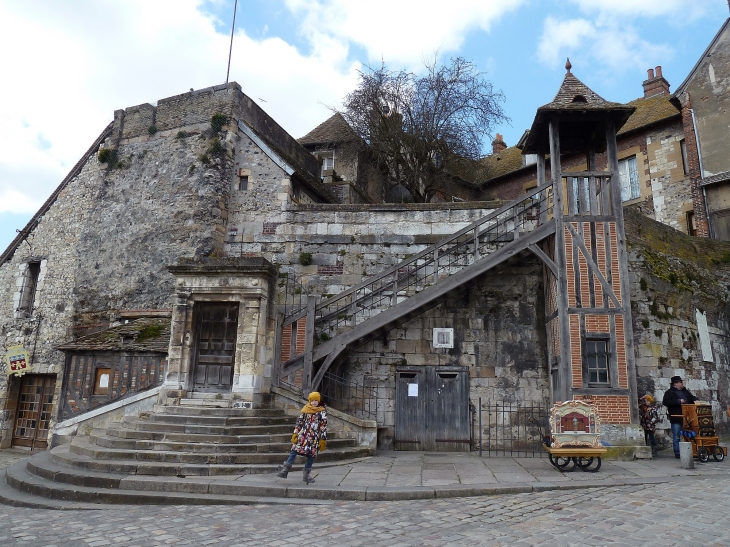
column 575, row 437
column 698, row 427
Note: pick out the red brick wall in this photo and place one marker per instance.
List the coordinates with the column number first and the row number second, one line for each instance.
column 693, row 166
column 611, row 409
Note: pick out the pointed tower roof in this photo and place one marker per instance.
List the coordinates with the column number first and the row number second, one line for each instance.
column 575, row 104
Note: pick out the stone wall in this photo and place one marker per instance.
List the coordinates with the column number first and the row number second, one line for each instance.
column 674, row 276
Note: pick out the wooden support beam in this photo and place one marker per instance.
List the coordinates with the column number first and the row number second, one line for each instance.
column 545, row 258
column 309, row 343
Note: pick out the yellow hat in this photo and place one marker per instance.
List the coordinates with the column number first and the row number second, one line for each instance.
column 315, row 396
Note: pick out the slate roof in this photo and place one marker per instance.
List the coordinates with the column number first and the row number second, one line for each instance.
column 333, row 130
column 571, row 88
column 143, row 335
column 649, row 111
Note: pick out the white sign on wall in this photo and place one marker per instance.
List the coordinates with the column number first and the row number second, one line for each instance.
column 443, row 338
column 704, row 336
column 413, row 390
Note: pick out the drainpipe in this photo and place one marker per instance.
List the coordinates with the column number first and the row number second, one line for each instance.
column 702, row 172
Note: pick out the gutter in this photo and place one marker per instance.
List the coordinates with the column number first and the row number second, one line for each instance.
column 702, row 173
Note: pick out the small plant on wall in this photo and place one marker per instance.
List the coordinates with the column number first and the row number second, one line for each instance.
column 107, row 155
column 217, row 122
column 305, row 259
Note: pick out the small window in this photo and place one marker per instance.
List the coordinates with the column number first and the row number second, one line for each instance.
column 101, row 383
column 28, row 290
column 691, row 226
column 328, row 163
column 579, row 99
column 596, row 363
column 629, row 177
column 685, row 165
column 243, row 182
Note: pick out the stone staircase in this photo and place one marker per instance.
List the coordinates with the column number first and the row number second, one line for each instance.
column 155, row 457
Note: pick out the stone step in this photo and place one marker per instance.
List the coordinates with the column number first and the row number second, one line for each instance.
column 132, row 491
column 209, row 411
column 123, row 433
column 206, row 403
column 221, row 420
column 245, row 444
column 64, row 456
column 144, row 425
column 85, row 447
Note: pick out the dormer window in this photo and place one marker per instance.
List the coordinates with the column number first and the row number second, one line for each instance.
column 579, row 99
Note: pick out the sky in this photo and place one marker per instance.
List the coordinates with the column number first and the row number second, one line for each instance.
column 68, row 65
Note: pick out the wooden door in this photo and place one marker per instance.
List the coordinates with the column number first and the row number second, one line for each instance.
column 721, row 224
column 432, row 409
column 33, row 413
column 216, row 325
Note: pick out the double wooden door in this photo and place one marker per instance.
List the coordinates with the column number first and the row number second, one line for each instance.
column 432, row 409
column 33, row 410
column 216, row 325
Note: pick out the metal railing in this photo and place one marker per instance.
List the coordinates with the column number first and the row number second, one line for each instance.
column 356, row 398
column 292, row 294
column 435, row 263
column 514, row 430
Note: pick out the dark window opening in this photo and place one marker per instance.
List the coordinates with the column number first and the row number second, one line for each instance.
column 597, row 359
column 691, row 226
column 243, row 182
column 683, row 147
column 30, row 283
column 579, row 99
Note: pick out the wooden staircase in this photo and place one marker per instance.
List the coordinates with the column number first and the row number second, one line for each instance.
column 352, row 317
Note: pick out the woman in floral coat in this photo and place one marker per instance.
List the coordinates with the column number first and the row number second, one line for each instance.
column 309, row 438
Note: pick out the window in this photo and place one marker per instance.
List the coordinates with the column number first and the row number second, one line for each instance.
column 683, row 147
column 101, row 384
column 243, row 182
column 629, row 176
column 596, row 362
column 691, row 226
column 328, row 163
column 28, row 290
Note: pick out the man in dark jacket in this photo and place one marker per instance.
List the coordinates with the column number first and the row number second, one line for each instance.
column 674, row 398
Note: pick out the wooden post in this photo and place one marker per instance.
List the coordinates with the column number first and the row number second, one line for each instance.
column 309, row 344
column 623, row 264
column 278, row 339
column 540, row 182
column 564, row 385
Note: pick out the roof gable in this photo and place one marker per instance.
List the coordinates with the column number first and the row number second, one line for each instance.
column 333, row 130
column 682, row 87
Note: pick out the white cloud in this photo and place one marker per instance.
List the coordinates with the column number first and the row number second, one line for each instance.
column 604, row 42
column 680, row 10
column 402, row 32
column 71, row 68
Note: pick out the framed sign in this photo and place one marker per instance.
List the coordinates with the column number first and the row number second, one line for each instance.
column 17, row 359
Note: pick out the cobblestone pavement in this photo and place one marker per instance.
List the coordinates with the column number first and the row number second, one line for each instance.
column 8, row 456
column 616, row 516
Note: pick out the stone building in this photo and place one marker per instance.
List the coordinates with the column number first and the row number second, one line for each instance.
column 702, row 99
column 202, row 211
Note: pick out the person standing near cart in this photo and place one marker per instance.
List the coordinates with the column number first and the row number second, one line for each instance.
column 674, row 398
column 649, row 418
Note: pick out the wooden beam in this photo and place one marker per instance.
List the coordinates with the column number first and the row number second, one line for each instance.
column 545, row 258
column 309, row 342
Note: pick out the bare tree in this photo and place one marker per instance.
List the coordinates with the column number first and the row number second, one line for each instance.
column 425, row 131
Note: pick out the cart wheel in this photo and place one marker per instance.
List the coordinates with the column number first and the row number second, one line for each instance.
column 702, row 454
column 552, row 461
column 585, row 464
column 565, row 464
column 718, row 453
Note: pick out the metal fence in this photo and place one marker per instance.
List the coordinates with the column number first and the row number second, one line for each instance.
column 507, row 429
column 357, row 398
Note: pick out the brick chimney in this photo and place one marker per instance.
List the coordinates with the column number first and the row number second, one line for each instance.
column 655, row 84
column 498, row 144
